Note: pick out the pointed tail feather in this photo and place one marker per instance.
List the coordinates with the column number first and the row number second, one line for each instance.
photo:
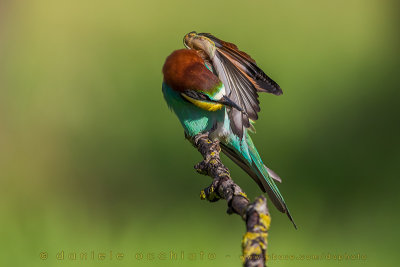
column 266, row 177
column 261, row 175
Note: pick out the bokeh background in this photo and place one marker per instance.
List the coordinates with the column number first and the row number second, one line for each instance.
column 91, row 159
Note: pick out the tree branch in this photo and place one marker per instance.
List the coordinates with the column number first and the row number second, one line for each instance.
column 256, row 215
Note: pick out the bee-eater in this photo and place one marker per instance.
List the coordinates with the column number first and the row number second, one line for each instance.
column 213, row 88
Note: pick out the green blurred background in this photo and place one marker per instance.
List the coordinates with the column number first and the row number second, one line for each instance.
column 91, row 159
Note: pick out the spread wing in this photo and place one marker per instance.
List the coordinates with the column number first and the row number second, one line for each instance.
column 243, row 79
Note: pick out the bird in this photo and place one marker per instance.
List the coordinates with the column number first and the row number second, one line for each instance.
column 213, row 88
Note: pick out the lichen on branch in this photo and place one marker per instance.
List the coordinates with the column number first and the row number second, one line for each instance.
column 256, row 215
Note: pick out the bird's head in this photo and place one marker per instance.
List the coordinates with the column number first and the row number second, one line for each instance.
column 185, row 72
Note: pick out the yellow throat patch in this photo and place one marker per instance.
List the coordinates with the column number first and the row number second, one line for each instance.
column 206, row 105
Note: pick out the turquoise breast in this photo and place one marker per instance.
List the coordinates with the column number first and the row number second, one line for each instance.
column 193, row 119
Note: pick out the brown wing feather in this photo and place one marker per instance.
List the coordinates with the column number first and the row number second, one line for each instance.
column 241, row 91
column 246, row 64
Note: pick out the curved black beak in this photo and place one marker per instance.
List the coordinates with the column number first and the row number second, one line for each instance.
column 227, row 102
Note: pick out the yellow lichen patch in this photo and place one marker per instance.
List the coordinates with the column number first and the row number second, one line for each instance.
column 252, row 252
column 212, row 194
column 262, row 228
column 202, row 195
column 243, row 195
column 252, row 236
column 213, row 161
column 253, row 245
column 249, row 236
column 265, row 220
column 206, row 105
column 211, row 189
column 248, row 251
